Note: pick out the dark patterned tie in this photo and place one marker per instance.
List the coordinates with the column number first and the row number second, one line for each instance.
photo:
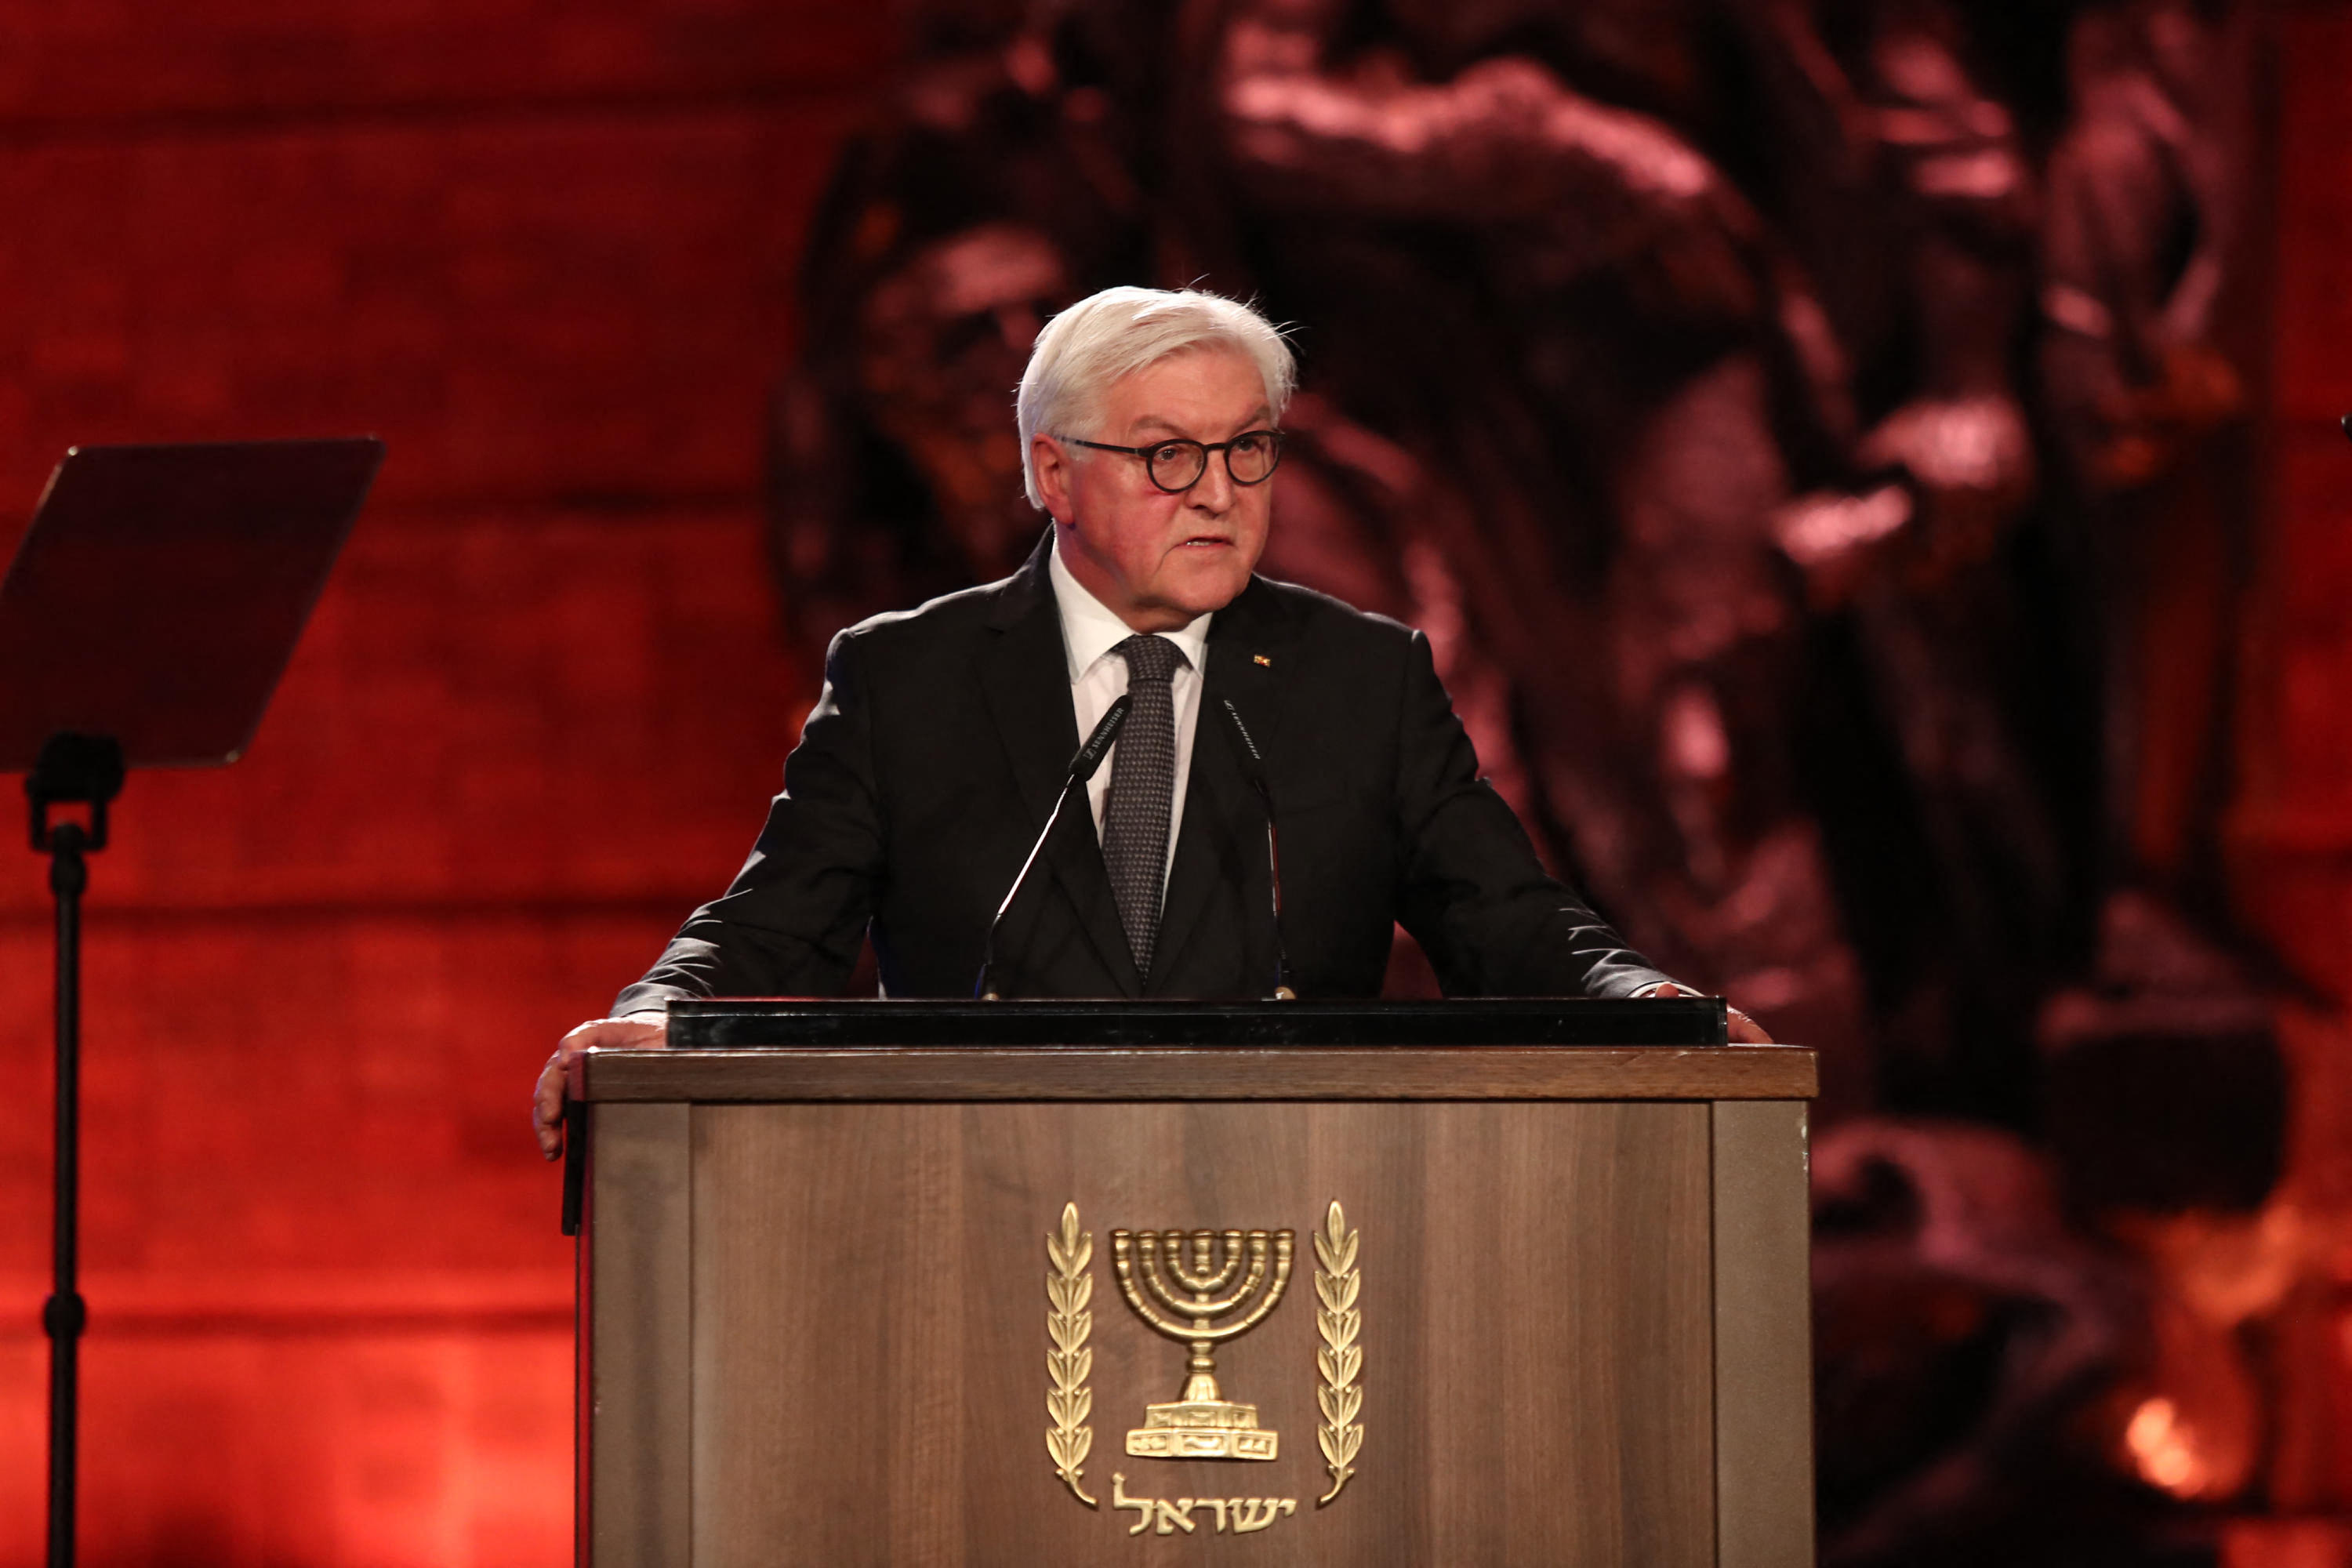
column 1142, row 791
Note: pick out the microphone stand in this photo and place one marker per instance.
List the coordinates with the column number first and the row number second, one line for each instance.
column 85, row 770
column 1253, row 769
column 1082, row 770
column 1283, row 991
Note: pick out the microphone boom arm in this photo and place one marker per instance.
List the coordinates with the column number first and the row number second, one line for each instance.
column 1082, row 769
column 1253, row 768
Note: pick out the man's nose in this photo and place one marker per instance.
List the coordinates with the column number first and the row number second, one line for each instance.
column 1213, row 492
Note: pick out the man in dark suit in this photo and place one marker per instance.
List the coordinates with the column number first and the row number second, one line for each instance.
column 935, row 755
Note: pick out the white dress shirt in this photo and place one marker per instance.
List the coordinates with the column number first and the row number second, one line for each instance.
column 1098, row 679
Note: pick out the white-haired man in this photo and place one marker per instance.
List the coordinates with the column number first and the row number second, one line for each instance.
column 1151, row 424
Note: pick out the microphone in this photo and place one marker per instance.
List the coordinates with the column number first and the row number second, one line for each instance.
column 1253, row 769
column 1082, row 769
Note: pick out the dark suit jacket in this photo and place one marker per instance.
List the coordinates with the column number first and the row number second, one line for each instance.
column 944, row 733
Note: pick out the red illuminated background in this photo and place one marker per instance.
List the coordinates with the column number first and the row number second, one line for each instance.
column 545, row 251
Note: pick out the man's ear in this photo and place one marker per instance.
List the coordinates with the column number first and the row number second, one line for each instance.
column 1051, row 464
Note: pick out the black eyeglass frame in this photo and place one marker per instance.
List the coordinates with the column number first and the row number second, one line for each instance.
column 1206, row 448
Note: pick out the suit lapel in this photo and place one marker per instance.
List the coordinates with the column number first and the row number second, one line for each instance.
column 1026, row 675
column 1222, row 839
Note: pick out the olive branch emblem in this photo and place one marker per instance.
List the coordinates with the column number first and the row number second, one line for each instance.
column 1339, row 1359
column 1068, row 1289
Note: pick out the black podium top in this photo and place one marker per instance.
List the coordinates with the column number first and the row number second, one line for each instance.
column 736, row 1022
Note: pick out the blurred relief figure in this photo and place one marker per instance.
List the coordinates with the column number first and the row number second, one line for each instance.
column 1963, row 1333
column 988, row 196
column 1595, row 333
column 1809, row 412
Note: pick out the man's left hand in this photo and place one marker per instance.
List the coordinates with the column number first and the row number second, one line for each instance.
column 1743, row 1031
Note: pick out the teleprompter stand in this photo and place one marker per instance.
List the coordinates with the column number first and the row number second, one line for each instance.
column 144, row 622
column 87, row 771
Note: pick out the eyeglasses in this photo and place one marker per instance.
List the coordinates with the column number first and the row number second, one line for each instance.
column 1176, row 464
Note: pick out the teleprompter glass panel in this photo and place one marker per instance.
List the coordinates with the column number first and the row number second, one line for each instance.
column 160, row 592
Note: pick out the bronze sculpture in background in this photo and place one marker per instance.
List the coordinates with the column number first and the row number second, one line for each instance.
column 1666, row 363
column 1749, row 397
column 1571, row 321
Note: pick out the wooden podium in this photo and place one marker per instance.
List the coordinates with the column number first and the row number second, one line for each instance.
column 854, row 1302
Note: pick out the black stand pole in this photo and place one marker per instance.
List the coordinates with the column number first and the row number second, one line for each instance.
column 146, row 617
column 87, row 770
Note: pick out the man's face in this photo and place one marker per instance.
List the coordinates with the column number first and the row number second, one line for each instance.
column 1154, row 559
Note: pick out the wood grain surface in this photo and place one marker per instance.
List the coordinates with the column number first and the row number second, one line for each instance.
column 868, row 1331
column 1763, row 1338
column 1187, row 1073
column 639, row 1238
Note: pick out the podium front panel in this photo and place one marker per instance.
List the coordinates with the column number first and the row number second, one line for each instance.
column 822, row 1333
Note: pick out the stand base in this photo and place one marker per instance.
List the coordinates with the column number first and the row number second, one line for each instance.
column 1202, row 1429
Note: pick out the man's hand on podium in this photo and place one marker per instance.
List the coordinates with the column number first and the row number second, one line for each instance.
column 1743, row 1030
column 639, row 1032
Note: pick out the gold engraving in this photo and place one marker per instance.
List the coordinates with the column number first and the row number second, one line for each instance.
column 1068, row 1291
column 1336, row 1320
column 1202, row 1423
column 1236, row 1515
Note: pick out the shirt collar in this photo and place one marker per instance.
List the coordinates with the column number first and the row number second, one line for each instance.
column 1091, row 629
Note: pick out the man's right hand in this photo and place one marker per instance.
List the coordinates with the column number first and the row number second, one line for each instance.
column 639, row 1033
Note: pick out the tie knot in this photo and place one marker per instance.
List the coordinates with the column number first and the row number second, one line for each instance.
column 1149, row 658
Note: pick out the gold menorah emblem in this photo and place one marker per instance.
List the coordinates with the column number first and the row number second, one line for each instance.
column 1183, row 1272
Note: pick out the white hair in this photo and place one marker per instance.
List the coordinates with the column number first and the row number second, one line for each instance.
column 1120, row 330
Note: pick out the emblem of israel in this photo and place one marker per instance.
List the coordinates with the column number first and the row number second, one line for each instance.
column 1202, row 1289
